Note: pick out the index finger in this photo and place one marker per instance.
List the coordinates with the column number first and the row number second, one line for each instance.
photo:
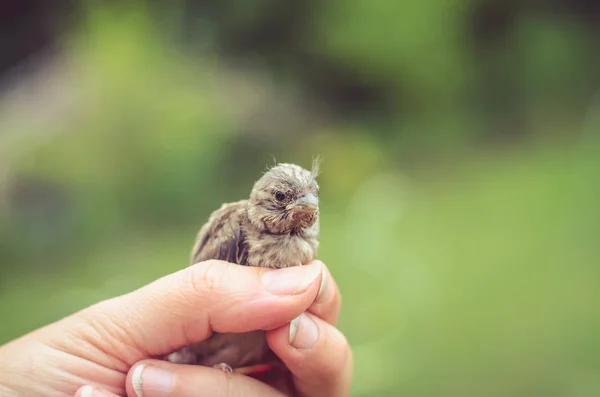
column 155, row 378
column 317, row 355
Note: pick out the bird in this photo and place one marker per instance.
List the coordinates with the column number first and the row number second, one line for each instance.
column 277, row 226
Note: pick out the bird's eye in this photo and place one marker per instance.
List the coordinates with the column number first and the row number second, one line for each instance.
column 279, row 196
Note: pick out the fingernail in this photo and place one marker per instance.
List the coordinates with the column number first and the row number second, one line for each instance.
column 149, row 381
column 87, row 391
column 291, row 280
column 303, row 332
column 294, row 328
column 323, row 282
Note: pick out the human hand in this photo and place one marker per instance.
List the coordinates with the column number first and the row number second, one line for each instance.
column 111, row 345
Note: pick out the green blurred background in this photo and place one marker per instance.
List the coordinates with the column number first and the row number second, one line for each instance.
column 460, row 177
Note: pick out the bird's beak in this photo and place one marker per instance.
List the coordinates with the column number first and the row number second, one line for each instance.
column 307, row 203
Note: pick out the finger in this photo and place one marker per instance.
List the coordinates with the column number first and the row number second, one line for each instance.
column 89, row 391
column 154, row 378
column 329, row 300
column 186, row 307
column 316, row 353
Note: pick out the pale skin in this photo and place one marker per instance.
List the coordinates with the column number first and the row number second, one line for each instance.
column 108, row 349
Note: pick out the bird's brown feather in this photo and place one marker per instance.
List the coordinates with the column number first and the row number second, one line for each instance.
column 222, row 236
column 253, row 233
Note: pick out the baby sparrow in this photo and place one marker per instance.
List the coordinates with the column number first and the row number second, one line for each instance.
column 277, row 227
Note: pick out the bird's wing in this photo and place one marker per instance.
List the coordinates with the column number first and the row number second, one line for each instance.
column 222, row 236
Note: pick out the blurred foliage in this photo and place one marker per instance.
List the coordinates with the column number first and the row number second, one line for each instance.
column 468, row 259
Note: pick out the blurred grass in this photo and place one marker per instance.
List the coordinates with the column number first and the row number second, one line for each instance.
column 465, row 269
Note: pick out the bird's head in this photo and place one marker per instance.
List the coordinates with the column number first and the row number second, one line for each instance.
column 285, row 199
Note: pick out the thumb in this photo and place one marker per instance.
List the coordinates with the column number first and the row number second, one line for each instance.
column 187, row 306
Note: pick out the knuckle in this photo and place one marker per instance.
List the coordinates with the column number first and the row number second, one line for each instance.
column 336, row 305
column 206, row 278
column 330, row 370
column 338, row 344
